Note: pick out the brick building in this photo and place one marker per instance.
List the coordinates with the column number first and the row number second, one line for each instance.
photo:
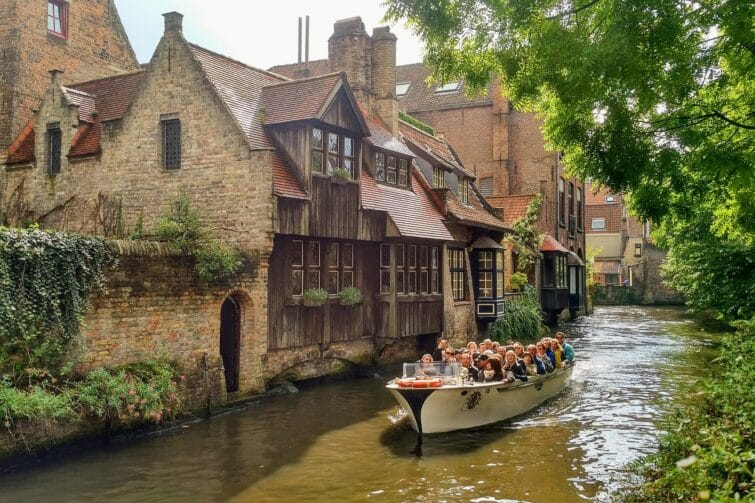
column 83, row 38
column 315, row 180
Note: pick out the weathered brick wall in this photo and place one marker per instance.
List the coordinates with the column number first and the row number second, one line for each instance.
column 96, row 46
column 655, row 291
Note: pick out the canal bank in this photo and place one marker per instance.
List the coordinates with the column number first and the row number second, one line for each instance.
column 337, row 441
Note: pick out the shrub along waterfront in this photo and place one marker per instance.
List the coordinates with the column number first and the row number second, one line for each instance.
column 523, row 320
column 46, row 279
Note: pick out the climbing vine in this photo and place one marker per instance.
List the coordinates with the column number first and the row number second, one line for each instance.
column 45, row 282
column 526, row 239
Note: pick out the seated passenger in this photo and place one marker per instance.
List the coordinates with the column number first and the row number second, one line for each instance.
column 558, row 352
column 548, row 351
column 518, row 350
column 467, row 368
column 512, row 369
column 438, row 352
column 543, row 357
column 426, row 367
column 492, row 370
column 529, row 364
column 532, row 350
column 473, row 350
column 568, row 349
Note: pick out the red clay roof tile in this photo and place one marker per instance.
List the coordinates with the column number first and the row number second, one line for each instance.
column 612, row 213
column 316, row 68
column 381, row 137
column 420, row 97
column 240, row 88
column 297, row 99
column 412, row 211
column 432, row 146
column 514, row 207
column 285, row 184
column 474, row 213
column 87, row 140
column 112, row 95
column 551, row 244
column 22, row 150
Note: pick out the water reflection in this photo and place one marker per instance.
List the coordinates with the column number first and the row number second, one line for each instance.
column 336, row 442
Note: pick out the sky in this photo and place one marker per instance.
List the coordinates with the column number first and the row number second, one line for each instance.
column 258, row 33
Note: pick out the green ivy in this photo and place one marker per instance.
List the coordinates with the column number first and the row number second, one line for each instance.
column 526, row 238
column 45, row 282
column 214, row 260
column 416, row 123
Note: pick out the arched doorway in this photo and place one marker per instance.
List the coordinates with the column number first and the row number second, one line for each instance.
column 230, row 342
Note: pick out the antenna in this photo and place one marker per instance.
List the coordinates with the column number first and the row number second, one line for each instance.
column 306, row 46
column 300, row 39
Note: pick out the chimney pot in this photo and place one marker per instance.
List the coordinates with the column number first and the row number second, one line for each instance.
column 173, row 22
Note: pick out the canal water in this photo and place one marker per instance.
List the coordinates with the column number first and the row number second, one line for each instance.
column 345, row 441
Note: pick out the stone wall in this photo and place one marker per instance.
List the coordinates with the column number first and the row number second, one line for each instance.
column 655, row 291
column 96, row 46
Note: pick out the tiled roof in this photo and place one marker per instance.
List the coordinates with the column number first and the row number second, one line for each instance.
column 316, row 67
column 551, row 244
column 87, row 140
column 474, row 213
column 612, row 214
column 381, row 137
column 297, row 99
column 85, row 102
column 22, row 150
column 514, row 207
column 595, row 195
column 412, row 211
column 285, row 184
column 240, row 88
column 113, row 95
column 431, row 145
column 606, row 267
column 421, row 98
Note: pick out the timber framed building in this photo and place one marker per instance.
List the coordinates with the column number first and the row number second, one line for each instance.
column 316, row 180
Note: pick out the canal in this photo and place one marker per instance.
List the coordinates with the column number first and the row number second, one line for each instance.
column 338, row 441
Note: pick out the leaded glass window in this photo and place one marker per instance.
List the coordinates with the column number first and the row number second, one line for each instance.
column 317, row 139
column 391, row 170
column 403, row 172
column 171, row 129
column 380, row 166
column 54, row 145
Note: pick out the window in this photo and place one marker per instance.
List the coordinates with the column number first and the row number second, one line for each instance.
column 499, row 283
column 554, row 270
column 571, row 198
column 57, row 18
column 561, row 202
column 435, row 269
column 439, row 178
column 458, row 273
column 638, row 249
column 380, row 166
column 390, row 176
column 54, row 143
column 423, row 271
column 403, row 172
column 171, row 129
column 451, row 87
column 486, row 186
column 610, row 198
column 561, row 271
column 326, row 265
column 317, row 163
column 598, row 224
column 400, row 270
column 385, row 268
column 402, row 88
column 464, row 191
column 486, row 274
column 580, row 224
column 332, row 151
column 411, row 261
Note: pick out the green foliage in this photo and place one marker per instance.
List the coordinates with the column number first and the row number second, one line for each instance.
column 341, row 174
column 650, row 98
column 526, row 239
column 416, row 123
column 709, row 452
column 45, row 282
column 523, row 319
column 517, row 281
column 33, row 404
column 314, row 296
column 590, row 264
column 350, row 296
column 213, row 259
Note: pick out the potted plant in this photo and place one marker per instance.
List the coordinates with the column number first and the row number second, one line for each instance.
column 349, row 296
column 340, row 175
column 314, row 297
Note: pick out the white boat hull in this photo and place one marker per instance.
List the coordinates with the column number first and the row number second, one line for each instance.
column 458, row 407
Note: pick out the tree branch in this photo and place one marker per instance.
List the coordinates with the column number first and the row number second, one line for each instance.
column 573, row 11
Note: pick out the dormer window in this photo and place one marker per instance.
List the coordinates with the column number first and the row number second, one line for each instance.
column 57, row 18
column 464, row 191
column 448, row 88
column 402, row 88
column 332, row 151
column 391, row 169
column 439, row 177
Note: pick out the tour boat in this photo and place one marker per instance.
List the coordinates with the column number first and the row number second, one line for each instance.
column 438, row 398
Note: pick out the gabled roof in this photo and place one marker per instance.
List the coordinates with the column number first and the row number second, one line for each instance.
column 304, row 99
column 551, row 244
column 474, row 214
column 285, row 184
column 240, row 88
column 431, row 146
column 381, row 137
column 420, row 97
column 316, row 68
column 112, row 96
column 413, row 212
column 87, row 140
column 85, row 102
column 514, row 207
column 22, row 150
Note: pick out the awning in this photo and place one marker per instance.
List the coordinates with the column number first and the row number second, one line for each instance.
column 486, row 242
column 573, row 259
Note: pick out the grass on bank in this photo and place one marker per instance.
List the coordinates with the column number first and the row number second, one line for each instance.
column 708, row 452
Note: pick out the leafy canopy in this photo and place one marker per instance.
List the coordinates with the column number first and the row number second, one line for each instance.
column 653, row 98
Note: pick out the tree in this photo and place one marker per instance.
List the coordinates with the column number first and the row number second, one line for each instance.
column 526, row 240
column 653, row 98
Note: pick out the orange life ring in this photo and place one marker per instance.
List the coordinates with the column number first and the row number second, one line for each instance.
column 419, row 383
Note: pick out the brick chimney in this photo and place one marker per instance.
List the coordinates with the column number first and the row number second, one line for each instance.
column 383, row 62
column 349, row 51
column 173, row 22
